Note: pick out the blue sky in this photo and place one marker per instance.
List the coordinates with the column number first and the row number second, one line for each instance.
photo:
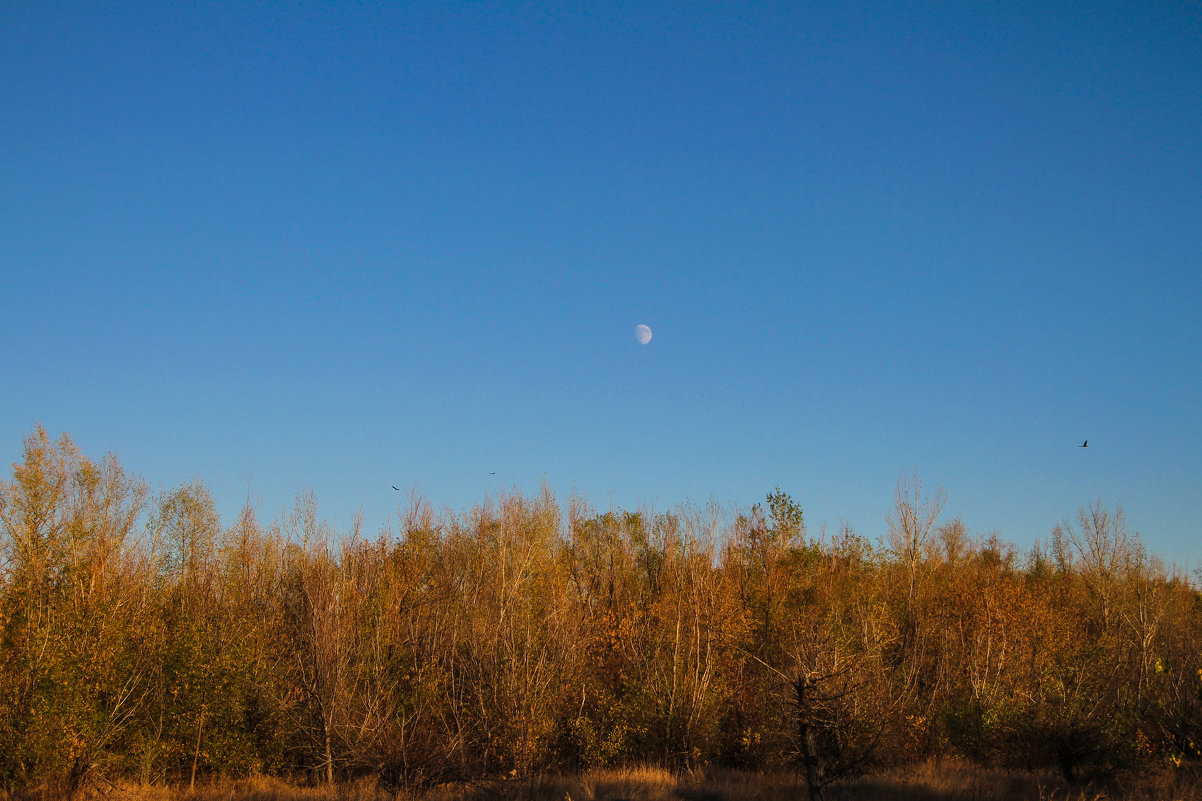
column 346, row 246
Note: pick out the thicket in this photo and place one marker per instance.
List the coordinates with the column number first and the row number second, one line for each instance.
column 141, row 639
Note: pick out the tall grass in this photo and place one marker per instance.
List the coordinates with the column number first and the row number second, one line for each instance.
column 930, row 781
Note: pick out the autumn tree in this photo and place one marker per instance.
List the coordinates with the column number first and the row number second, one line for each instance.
column 142, row 639
column 75, row 613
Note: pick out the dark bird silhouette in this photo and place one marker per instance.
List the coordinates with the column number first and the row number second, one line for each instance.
column 493, row 473
column 1084, row 444
column 395, row 487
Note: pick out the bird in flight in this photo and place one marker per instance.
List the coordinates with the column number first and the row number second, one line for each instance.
column 1084, row 444
column 395, row 487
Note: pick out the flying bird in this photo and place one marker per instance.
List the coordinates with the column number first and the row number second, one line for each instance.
column 1084, row 444
column 395, row 487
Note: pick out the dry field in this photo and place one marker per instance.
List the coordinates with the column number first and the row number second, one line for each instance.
column 946, row 781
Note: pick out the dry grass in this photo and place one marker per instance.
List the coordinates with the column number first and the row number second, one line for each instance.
column 944, row 781
column 951, row 780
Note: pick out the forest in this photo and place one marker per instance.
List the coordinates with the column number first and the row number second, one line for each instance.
column 143, row 640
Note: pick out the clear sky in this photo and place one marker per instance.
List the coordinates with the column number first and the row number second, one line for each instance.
column 347, row 246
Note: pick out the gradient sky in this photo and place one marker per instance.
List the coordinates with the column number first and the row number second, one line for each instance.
column 346, row 246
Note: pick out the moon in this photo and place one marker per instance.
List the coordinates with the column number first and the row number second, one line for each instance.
column 642, row 333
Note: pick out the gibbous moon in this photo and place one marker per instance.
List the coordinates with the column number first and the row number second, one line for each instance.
column 642, row 333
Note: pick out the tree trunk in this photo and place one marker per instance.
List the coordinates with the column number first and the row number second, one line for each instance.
column 329, row 754
column 196, row 752
column 808, row 739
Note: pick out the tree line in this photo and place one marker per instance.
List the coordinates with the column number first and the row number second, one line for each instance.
column 143, row 640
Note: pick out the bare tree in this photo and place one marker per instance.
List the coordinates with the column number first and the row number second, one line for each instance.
column 911, row 524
